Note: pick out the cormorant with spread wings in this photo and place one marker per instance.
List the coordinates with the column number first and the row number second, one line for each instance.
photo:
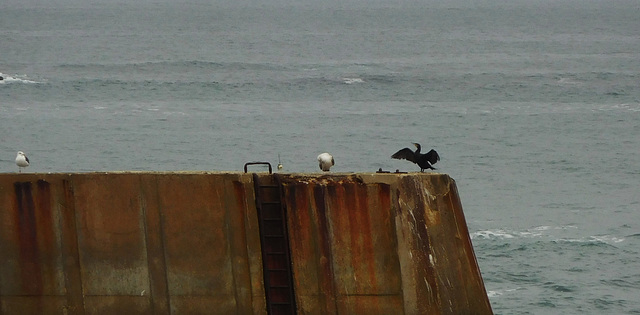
column 425, row 161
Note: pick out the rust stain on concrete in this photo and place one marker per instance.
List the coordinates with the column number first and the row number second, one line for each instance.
column 164, row 243
column 36, row 262
column 25, row 217
column 388, row 244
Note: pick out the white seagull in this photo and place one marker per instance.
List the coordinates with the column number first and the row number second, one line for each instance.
column 22, row 161
column 325, row 161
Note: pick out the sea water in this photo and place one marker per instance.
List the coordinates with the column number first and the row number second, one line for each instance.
column 533, row 106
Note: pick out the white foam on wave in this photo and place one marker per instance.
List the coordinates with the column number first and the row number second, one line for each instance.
column 604, row 239
column 537, row 231
column 9, row 79
column 546, row 227
column 608, row 239
column 491, row 234
column 352, row 80
column 546, row 232
column 618, row 107
column 505, row 234
column 495, row 293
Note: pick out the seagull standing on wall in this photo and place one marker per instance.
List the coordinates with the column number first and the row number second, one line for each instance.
column 325, row 161
column 22, row 161
column 425, row 161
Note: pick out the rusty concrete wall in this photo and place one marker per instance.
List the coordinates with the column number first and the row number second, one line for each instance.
column 381, row 244
column 188, row 243
column 130, row 243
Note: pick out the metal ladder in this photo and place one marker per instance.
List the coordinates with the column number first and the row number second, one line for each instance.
column 276, row 259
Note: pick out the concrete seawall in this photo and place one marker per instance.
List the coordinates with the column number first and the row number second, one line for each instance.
column 191, row 243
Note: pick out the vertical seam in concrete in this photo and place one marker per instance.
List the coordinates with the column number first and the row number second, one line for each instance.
column 324, row 233
column 163, row 245
column 393, row 213
column 230, row 249
column 460, row 243
column 73, row 296
column 285, row 217
column 156, row 282
column 426, row 247
column 246, row 299
column 246, row 207
column 329, row 233
column 145, row 227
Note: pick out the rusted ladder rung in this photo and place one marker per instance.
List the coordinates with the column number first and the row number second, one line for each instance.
column 271, row 203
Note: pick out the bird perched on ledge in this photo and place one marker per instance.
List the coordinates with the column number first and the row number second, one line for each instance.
column 425, row 161
column 325, row 161
column 22, row 161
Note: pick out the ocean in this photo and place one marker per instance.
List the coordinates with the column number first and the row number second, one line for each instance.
column 533, row 107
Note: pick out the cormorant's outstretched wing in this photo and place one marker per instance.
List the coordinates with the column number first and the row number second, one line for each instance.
column 406, row 154
column 433, row 157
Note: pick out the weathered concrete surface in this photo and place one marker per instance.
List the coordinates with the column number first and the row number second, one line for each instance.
column 188, row 243
column 381, row 244
column 129, row 243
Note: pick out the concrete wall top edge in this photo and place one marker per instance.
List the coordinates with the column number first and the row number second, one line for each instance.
column 313, row 174
column 365, row 177
column 124, row 172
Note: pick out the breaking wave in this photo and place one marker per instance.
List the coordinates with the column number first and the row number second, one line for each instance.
column 7, row 79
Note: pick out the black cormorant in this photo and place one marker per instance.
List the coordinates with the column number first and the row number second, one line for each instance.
column 423, row 160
